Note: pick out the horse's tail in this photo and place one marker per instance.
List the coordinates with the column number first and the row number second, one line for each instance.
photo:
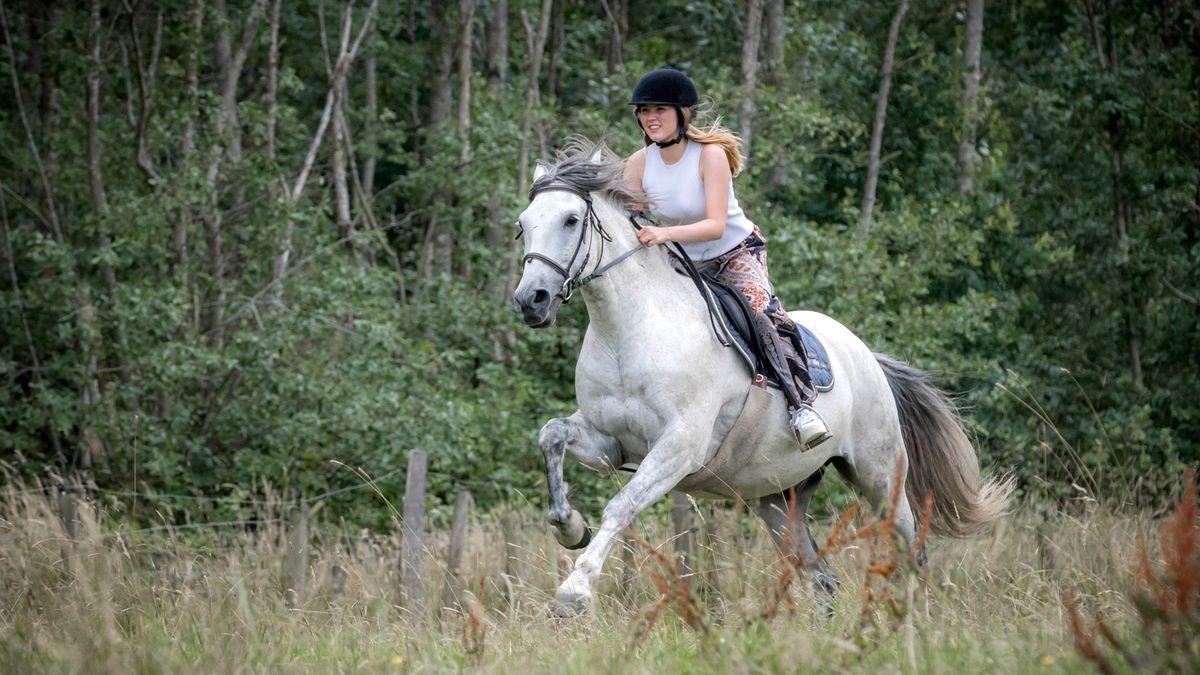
column 941, row 459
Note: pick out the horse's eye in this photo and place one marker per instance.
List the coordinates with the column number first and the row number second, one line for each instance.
column 572, row 221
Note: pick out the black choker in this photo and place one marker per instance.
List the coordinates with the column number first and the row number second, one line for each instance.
column 671, row 142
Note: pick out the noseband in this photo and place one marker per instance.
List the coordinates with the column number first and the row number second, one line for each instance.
column 573, row 282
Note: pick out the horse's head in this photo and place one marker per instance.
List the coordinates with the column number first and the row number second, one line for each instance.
column 556, row 227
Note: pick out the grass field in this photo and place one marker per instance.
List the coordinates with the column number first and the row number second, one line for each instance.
column 117, row 601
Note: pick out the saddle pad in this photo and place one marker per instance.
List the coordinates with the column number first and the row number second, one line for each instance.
column 818, row 360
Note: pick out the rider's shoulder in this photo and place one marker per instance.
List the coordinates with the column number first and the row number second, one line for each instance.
column 638, row 157
column 710, row 150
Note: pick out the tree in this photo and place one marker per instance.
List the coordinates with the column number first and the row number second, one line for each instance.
column 972, row 47
column 881, row 103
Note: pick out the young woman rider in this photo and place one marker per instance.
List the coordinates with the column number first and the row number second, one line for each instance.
column 688, row 175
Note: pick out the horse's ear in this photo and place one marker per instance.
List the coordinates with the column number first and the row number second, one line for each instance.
column 540, row 169
column 597, row 155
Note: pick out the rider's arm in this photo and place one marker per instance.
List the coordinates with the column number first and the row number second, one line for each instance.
column 635, row 169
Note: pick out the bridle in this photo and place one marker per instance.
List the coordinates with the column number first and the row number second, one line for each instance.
column 573, row 282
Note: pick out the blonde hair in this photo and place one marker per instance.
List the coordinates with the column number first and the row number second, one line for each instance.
column 714, row 134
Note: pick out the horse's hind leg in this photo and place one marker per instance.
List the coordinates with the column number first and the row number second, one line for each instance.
column 786, row 516
column 596, row 450
column 874, row 472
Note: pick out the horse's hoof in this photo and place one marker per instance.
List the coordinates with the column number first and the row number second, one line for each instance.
column 573, row 534
column 824, row 591
column 570, row 605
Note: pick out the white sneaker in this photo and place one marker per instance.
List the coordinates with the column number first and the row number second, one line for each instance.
column 809, row 427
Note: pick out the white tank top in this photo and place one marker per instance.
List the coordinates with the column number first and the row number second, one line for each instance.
column 677, row 198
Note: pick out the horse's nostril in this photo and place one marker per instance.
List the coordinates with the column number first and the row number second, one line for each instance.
column 541, row 297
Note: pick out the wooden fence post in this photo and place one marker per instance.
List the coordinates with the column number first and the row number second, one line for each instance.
column 297, row 555
column 514, row 568
column 412, row 553
column 452, row 597
column 68, row 512
column 707, row 554
column 629, row 570
column 681, row 524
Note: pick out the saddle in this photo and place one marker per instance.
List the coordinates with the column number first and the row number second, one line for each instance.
column 730, row 315
column 733, row 316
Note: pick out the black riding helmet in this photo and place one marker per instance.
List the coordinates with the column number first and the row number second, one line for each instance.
column 666, row 86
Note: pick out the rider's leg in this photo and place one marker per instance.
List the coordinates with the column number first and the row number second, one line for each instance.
column 745, row 268
column 596, row 450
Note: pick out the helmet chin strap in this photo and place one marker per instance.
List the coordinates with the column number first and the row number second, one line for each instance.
column 673, row 141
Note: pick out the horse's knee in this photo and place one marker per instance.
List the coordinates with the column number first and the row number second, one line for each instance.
column 555, row 436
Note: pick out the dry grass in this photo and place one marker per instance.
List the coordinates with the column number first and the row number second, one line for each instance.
column 112, row 600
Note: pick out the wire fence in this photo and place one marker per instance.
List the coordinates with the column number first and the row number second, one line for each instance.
column 81, row 488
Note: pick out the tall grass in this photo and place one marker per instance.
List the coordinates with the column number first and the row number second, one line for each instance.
column 113, row 600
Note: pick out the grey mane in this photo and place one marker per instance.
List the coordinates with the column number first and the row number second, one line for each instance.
column 587, row 166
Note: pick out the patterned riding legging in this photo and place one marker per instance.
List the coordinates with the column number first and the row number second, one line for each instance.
column 745, row 268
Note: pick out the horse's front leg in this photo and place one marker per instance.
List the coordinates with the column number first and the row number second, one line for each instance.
column 671, row 458
column 596, row 450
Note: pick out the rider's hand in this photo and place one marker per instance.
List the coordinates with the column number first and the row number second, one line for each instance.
column 653, row 236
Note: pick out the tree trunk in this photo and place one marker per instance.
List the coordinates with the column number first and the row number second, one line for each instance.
column 776, row 20
column 1109, row 57
column 466, row 10
column 497, row 44
column 554, row 47
column 341, row 189
column 95, row 176
column 231, row 61
column 443, row 64
column 273, row 79
column 346, row 53
column 751, row 39
column 147, row 74
column 536, row 42
column 972, row 47
column 187, row 145
column 372, row 128
column 96, row 181
column 885, row 86
column 617, row 12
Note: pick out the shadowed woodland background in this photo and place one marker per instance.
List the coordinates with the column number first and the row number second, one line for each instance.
column 242, row 239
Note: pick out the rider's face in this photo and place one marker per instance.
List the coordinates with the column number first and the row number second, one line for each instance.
column 660, row 122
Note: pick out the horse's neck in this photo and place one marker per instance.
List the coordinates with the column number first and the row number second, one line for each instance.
column 642, row 296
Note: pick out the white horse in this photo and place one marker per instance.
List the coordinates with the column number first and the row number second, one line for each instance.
column 657, row 389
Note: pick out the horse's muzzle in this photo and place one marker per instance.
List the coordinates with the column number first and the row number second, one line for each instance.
column 538, row 307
